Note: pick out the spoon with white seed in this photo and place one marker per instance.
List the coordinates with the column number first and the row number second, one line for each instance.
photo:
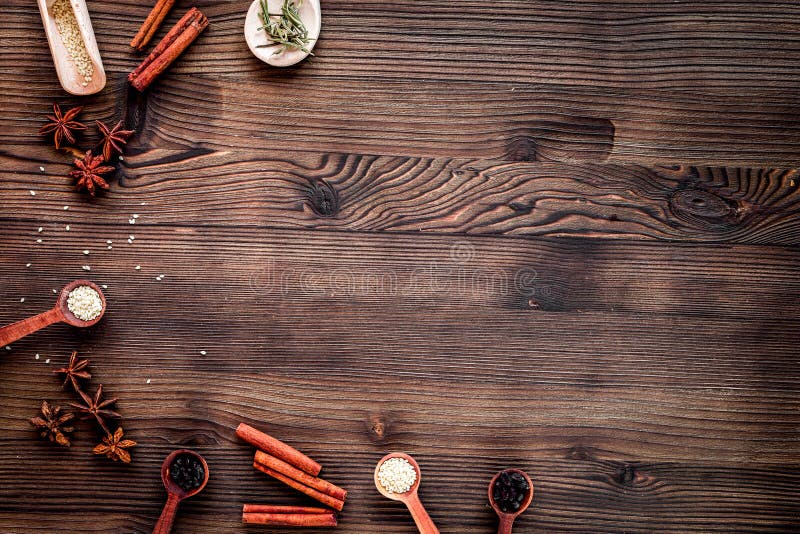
column 81, row 303
column 397, row 477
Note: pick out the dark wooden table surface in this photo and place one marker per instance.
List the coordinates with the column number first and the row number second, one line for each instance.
column 561, row 236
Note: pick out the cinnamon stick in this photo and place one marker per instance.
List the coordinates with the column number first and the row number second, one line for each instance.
column 278, row 449
column 276, row 509
column 291, row 520
column 151, row 23
column 324, row 498
column 169, row 48
column 313, row 482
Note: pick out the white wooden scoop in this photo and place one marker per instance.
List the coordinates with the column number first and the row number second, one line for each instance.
column 71, row 80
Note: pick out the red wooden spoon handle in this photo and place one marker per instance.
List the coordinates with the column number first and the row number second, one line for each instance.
column 20, row 329
column 420, row 515
column 505, row 525
column 164, row 524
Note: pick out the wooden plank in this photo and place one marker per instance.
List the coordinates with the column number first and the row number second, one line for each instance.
column 455, row 273
column 442, row 195
column 525, row 123
column 728, row 47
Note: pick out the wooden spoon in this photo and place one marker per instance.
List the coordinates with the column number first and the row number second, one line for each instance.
column 409, row 498
column 59, row 313
column 71, row 80
column 507, row 518
column 175, row 494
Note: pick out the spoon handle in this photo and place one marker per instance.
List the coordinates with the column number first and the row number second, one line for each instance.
column 164, row 524
column 20, row 329
column 505, row 525
column 420, row 515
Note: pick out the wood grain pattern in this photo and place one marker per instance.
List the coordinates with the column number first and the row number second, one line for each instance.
column 478, row 197
column 720, row 47
column 581, row 260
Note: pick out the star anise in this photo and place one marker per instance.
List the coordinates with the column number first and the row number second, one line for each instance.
column 52, row 424
column 113, row 139
column 88, row 172
column 62, row 125
column 113, row 446
column 95, row 407
column 74, row 371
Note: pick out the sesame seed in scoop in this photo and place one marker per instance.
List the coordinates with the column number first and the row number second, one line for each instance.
column 85, row 303
column 396, row 475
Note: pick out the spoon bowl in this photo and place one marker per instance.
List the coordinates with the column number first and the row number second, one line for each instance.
column 507, row 518
column 70, row 317
column 175, row 493
column 60, row 312
column 410, row 498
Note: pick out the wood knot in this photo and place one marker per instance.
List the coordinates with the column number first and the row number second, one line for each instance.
column 702, row 204
column 625, row 475
column 521, row 209
column 579, row 452
column 569, row 139
column 377, row 428
column 628, row 475
column 323, row 199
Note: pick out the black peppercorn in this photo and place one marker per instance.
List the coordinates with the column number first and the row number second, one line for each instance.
column 509, row 491
column 187, row 472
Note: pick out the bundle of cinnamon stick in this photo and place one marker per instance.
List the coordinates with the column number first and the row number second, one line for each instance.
column 285, row 463
column 170, row 47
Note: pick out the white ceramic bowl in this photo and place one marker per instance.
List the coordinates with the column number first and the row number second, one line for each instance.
column 311, row 16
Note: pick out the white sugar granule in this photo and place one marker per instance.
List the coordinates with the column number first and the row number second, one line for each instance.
column 396, row 475
column 85, row 303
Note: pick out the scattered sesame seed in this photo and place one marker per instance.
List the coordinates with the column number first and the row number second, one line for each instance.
column 66, row 228
column 38, row 240
column 47, row 360
column 157, row 278
column 27, row 265
column 86, row 268
column 135, row 215
column 138, row 267
column 104, row 286
column 109, row 247
column 54, row 291
column 33, row 193
column 131, row 237
column 148, row 380
column 66, row 208
column 85, row 252
column 37, row 356
column 130, row 241
column 41, row 168
column 8, row 347
column 22, row 299
column 40, row 229
column 109, row 241
column 121, row 158
column 203, row 353
column 132, row 221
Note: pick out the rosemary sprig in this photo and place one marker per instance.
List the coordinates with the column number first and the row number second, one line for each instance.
column 288, row 30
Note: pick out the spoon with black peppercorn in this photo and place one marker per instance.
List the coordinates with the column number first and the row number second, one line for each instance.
column 81, row 303
column 185, row 474
column 510, row 494
column 401, row 473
